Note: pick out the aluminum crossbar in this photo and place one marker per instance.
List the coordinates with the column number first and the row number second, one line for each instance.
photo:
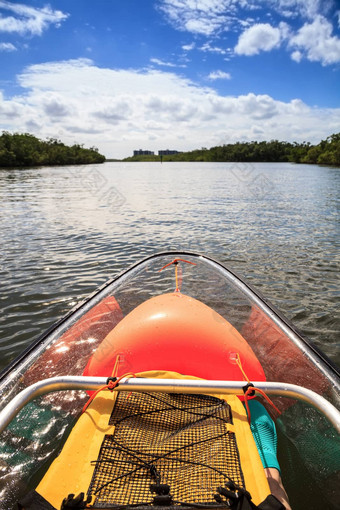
column 166, row 386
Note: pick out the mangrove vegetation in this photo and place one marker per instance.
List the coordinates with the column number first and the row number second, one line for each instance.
column 25, row 150
column 327, row 152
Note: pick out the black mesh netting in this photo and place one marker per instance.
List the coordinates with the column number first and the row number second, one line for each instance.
column 179, row 440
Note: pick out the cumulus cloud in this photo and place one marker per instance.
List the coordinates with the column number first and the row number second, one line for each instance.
column 316, row 42
column 7, row 47
column 121, row 110
column 259, row 37
column 10, row 110
column 55, row 106
column 115, row 112
column 24, row 19
column 297, row 56
column 219, row 75
column 211, row 18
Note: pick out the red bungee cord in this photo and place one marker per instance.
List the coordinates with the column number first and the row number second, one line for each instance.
column 251, row 389
column 110, row 386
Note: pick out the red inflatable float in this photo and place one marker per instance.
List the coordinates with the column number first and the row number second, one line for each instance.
column 178, row 333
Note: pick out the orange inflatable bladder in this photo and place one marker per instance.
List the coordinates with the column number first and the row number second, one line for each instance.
column 178, row 333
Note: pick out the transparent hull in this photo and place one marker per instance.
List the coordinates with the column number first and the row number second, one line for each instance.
column 308, row 446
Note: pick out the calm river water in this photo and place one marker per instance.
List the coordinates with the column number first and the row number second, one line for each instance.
column 64, row 231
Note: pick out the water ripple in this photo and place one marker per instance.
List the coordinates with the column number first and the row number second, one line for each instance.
column 62, row 235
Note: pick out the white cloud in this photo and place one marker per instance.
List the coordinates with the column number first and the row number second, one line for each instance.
column 55, row 106
column 219, row 75
column 7, row 47
column 259, row 37
column 162, row 63
column 294, row 8
column 188, row 47
column 316, row 42
column 207, row 47
column 28, row 20
column 121, row 110
column 297, row 56
column 203, row 17
column 210, row 18
column 10, row 111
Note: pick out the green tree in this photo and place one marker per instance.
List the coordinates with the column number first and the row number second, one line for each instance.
column 18, row 150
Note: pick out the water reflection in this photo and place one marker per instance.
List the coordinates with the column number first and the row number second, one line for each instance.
column 64, row 231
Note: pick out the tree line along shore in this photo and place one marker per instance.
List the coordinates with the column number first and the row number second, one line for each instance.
column 327, row 152
column 25, row 150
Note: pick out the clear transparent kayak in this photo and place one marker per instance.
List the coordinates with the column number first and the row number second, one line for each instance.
column 44, row 390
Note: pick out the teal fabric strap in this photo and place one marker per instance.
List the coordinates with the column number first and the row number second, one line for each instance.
column 264, row 433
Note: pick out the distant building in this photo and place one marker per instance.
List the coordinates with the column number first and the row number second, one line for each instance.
column 140, row 152
column 167, row 152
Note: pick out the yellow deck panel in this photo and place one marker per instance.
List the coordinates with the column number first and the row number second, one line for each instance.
column 72, row 471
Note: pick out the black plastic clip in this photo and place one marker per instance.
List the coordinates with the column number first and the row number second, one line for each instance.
column 163, row 498
column 236, row 497
column 162, row 489
column 228, row 494
column 77, row 502
column 245, row 388
column 110, row 382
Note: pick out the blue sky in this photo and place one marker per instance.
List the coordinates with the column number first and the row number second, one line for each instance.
column 179, row 74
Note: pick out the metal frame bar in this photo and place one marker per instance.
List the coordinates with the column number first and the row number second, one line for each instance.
column 166, row 386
